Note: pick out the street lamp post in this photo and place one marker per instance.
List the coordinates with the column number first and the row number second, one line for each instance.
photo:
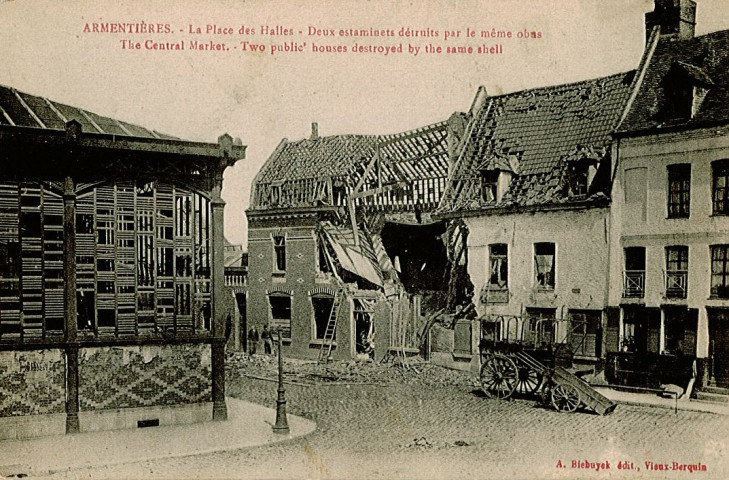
column 282, row 425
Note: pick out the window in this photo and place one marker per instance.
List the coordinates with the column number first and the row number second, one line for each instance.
column 634, row 274
column 544, row 265
column 585, row 333
column 498, row 266
column 720, row 271
column 720, row 188
column 364, row 309
column 84, row 223
column 279, row 252
column 676, row 271
column 489, row 183
column 322, row 313
column 281, row 314
column 577, row 178
column 679, row 190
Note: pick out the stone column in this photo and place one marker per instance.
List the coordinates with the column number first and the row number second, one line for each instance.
column 70, row 325
column 217, row 280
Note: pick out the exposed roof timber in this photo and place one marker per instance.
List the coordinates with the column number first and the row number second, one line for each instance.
column 7, row 117
column 30, row 110
column 91, row 121
column 378, row 190
column 55, row 110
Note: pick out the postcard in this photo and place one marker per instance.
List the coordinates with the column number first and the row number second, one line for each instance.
column 364, row 239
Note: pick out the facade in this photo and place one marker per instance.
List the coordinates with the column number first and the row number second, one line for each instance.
column 531, row 182
column 670, row 233
column 111, row 272
column 340, row 238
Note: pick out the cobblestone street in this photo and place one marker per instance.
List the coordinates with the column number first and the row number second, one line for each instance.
column 411, row 430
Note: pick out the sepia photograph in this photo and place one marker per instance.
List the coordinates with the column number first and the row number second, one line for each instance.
column 364, row 239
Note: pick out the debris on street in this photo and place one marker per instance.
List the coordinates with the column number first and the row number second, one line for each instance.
column 350, row 372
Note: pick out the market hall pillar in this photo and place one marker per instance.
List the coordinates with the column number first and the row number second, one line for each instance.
column 217, row 278
column 70, row 325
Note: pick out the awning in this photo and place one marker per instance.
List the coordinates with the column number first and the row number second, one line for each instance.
column 357, row 259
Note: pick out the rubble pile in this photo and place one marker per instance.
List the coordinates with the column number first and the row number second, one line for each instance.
column 413, row 372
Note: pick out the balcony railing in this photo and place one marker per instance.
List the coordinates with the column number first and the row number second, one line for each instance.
column 676, row 284
column 633, row 283
column 236, row 277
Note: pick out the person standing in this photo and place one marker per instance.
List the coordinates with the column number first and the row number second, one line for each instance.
column 252, row 340
column 267, row 341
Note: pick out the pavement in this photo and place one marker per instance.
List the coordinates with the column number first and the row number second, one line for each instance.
column 656, row 401
column 248, row 425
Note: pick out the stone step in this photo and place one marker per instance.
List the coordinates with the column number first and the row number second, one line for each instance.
column 715, row 390
column 704, row 396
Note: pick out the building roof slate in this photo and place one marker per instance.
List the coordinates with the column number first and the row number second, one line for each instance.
column 540, row 128
column 705, row 59
column 25, row 110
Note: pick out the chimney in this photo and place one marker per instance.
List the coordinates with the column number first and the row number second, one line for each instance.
column 677, row 19
column 314, row 131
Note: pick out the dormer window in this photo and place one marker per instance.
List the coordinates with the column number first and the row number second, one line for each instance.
column 489, row 185
column 685, row 87
column 577, row 178
column 496, row 174
column 582, row 165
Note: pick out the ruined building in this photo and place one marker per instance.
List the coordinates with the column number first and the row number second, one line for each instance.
column 531, row 182
column 344, row 255
column 111, row 272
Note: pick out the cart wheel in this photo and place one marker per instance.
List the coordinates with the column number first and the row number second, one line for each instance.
column 528, row 380
column 498, row 376
column 565, row 397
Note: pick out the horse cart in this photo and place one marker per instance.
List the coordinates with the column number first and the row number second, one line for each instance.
column 523, row 356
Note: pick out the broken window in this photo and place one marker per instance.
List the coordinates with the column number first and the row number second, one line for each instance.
column 364, row 309
column 281, row 314
column 489, row 185
column 577, row 178
column 145, row 189
column 499, row 265
column 279, row 253
column 720, row 271
column 84, row 223
column 30, row 224
column 676, row 271
column 679, row 190
column 544, row 265
column 85, row 309
column 720, row 170
column 322, row 306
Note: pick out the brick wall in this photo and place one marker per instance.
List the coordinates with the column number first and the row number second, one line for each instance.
column 144, row 376
column 32, row 383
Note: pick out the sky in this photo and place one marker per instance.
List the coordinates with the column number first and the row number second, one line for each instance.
column 262, row 97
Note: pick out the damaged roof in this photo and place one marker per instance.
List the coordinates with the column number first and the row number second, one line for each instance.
column 704, row 62
column 320, row 170
column 25, row 110
column 532, row 133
